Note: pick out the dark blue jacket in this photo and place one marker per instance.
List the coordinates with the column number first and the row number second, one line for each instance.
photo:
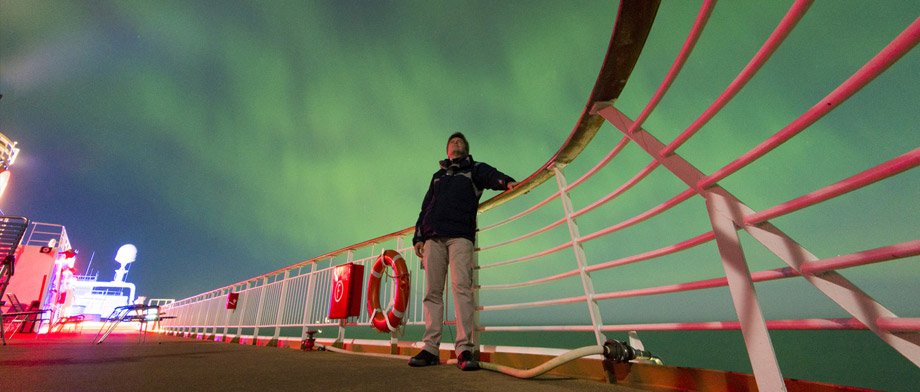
column 449, row 209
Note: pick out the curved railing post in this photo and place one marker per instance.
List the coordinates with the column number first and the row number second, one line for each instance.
column 596, row 322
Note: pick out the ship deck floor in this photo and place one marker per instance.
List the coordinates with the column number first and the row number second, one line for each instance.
column 128, row 361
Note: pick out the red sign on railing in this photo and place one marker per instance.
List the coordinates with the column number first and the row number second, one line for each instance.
column 232, row 299
column 346, row 291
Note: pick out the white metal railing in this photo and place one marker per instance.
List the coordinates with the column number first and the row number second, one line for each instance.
column 47, row 234
column 712, row 218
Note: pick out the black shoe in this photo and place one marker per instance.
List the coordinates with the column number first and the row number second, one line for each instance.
column 424, row 358
column 466, row 362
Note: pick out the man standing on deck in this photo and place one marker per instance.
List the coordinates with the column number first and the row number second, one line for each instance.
column 444, row 236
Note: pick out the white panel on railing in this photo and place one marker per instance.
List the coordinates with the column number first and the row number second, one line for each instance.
column 270, row 302
column 251, row 308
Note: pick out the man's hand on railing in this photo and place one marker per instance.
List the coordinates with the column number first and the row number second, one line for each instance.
column 419, row 249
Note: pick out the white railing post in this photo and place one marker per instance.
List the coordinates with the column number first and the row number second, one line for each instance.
column 417, row 288
column 278, row 317
column 580, row 257
column 198, row 322
column 258, row 321
column 192, row 312
column 308, row 306
column 213, row 316
column 208, row 324
column 476, row 322
column 372, row 257
column 741, row 286
column 367, row 272
column 200, row 316
column 225, row 294
column 209, row 319
column 193, row 316
column 394, row 335
column 217, row 320
column 241, row 306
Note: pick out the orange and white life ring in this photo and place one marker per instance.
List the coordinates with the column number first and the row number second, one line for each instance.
column 390, row 320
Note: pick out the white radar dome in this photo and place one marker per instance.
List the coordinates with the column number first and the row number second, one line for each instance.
column 126, row 254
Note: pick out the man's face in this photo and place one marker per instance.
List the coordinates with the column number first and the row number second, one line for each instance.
column 456, row 148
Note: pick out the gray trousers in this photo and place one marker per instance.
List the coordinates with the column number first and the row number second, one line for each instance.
column 457, row 254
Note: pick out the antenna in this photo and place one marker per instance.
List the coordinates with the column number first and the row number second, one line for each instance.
column 90, row 263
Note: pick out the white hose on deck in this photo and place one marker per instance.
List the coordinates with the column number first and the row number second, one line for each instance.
column 547, row 366
column 343, row 351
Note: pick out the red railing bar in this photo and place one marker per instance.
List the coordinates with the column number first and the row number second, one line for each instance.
column 779, row 35
column 701, row 18
column 647, row 255
column 534, row 304
column 524, row 236
column 761, row 276
column 565, row 328
column 885, row 253
column 616, row 150
column 626, row 186
column 623, row 188
column 630, row 31
column 603, row 162
column 529, row 282
column 891, row 252
column 897, row 165
column 801, row 324
column 681, row 197
column 700, row 239
column 528, row 257
column 520, row 214
column 902, row 44
column 898, row 324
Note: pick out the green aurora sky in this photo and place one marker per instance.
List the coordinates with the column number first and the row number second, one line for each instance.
column 228, row 139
